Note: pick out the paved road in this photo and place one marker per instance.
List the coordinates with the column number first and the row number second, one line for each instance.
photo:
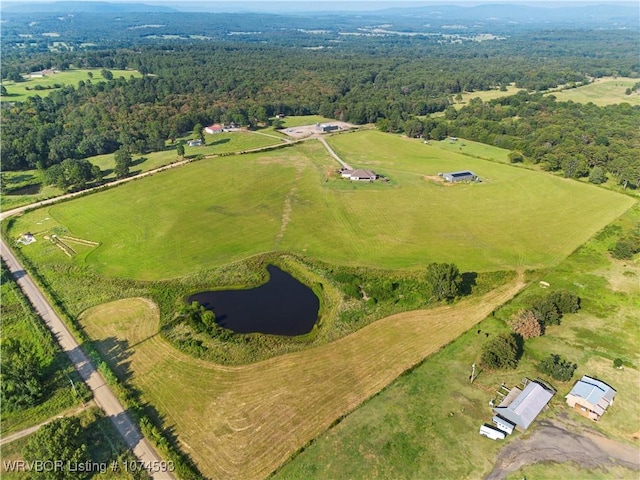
column 102, row 394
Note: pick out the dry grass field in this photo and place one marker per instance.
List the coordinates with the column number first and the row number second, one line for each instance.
column 243, row 422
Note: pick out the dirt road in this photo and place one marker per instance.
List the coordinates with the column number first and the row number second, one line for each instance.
column 556, row 441
column 103, row 396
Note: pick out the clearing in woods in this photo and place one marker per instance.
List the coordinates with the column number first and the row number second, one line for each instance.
column 243, row 422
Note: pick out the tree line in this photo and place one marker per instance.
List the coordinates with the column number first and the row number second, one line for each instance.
column 201, row 83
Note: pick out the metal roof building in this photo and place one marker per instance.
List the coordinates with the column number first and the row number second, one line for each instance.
column 461, row 176
column 524, row 409
column 590, row 397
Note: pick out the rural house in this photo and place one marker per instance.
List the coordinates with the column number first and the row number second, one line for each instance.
column 215, row 128
column 194, row 143
column 460, row 176
column 522, row 407
column 590, row 397
column 359, row 175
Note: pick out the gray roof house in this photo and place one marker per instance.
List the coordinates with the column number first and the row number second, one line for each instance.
column 590, row 397
column 524, row 409
column 461, row 176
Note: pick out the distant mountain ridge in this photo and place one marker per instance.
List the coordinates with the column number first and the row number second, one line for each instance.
column 84, row 7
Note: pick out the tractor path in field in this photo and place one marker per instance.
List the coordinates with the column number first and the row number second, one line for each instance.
column 243, row 422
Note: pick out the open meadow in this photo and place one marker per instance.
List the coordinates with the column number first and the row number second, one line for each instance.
column 243, row 422
column 224, row 209
column 603, row 91
column 20, row 91
column 425, row 424
column 486, row 95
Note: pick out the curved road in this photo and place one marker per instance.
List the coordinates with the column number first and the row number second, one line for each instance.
column 102, row 394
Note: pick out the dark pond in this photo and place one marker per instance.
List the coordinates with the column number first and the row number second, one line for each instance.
column 26, row 190
column 282, row 306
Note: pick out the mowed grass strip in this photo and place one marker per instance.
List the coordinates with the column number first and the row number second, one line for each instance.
column 243, row 422
column 224, row 209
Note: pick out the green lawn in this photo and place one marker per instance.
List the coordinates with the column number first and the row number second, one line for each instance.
column 602, row 92
column 18, row 91
column 224, row 209
column 425, row 424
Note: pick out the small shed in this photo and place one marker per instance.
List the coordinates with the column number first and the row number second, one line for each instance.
column 590, row 397
column 461, row 176
column 194, row 143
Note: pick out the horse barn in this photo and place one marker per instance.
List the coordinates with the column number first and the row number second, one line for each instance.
column 462, row 176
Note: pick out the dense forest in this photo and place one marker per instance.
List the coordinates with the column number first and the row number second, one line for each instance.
column 394, row 81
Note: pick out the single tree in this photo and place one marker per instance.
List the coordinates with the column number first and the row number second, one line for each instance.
column 501, row 351
column 106, row 74
column 198, row 132
column 444, row 280
column 526, row 324
column 597, row 175
column 180, row 150
column 21, row 376
column 123, row 162
column 3, row 91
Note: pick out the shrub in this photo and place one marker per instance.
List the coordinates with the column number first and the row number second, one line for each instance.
column 622, row 250
column 557, row 367
column 617, row 363
column 526, row 324
column 501, row 351
column 546, row 311
column 565, row 301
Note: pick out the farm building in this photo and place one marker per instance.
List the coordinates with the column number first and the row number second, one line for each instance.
column 194, row 143
column 359, row 175
column 590, row 397
column 215, row 128
column 326, row 127
column 526, row 406
column 461, row 176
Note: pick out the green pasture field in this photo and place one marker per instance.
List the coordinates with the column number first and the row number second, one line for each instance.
column 17, row 92
column 220, row 210
column 485, row 95
column 425, row 424
column 472, row 149
column 603, row 91
column 22, row 324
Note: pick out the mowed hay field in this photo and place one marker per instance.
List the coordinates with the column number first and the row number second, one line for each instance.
column 220, row 210
column 603, row 91
column 243, row 422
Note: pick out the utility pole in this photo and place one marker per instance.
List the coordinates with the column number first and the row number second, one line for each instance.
column 473, row 373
